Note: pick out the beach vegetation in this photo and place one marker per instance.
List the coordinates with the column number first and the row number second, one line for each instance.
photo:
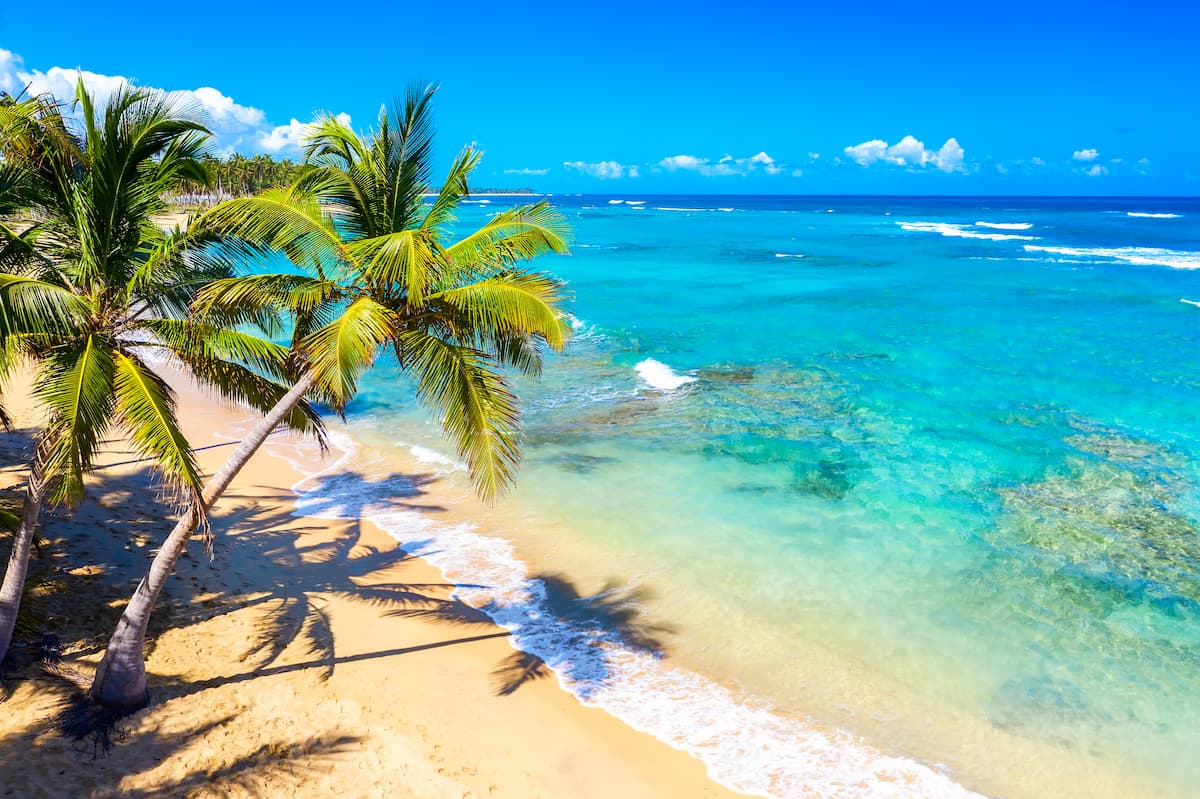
column 378, row 268
column 94, row 296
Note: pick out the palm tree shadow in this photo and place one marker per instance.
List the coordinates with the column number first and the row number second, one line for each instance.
column 262, row 771
column 267, row 561
column 577, row 634
column 350, row 495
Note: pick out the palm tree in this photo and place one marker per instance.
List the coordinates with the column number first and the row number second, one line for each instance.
column 93, row 290
column 378, row 270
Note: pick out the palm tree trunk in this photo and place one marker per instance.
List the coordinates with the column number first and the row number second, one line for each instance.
column 18, row 560
column 120, row 680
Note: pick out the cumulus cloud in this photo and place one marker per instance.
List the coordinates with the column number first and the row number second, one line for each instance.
column 1096, row 171
column 1088, row 154
column 290, row 136
column 234, row 126
column 726, row 165
column 527, row 171
column 602, row 169
column 950, row 156
column 908, row 152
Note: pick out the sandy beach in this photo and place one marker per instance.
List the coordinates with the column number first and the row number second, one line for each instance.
column 310, row 658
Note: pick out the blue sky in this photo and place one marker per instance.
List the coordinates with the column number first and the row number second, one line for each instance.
column 863, row 97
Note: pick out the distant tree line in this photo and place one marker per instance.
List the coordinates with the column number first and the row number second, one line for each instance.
column 241, row 176
column 238, row 176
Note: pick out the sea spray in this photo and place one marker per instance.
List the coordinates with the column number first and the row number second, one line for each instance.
column 660, row 376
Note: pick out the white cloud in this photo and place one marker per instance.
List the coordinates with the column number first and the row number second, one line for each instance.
column 684, row 162
column 291, row 135
column 234, row 126
column 797, row 173
column 602, row 169
column 221, row 108
column 813, row 156
column 1088, row 154
column 908, row 152
column 726, row 165
column 1097, row 170
column 950, row 157
column 527, row 171
column 868, row 152
column 1036, row 161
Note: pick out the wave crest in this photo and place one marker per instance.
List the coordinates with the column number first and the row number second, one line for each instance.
column 1139, row 256
column 661, row 376
column 959, row 231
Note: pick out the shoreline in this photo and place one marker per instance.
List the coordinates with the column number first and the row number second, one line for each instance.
column 312, row 656
column 781, row 754
column 772, row 748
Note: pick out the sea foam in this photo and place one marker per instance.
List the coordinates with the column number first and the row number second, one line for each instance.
column 661, row 376
column 434, row 458
column 1005, row 225
column 1144, row 215
column 959, row 231
column 745, row 744
column 1139, row 256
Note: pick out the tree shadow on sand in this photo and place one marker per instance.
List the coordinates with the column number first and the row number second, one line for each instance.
column 264, row 769
column 267, row 562
column 579, row 633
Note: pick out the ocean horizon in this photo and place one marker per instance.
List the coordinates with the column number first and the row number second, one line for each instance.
column 902, row 491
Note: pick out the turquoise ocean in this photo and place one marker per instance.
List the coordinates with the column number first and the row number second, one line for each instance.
column 851, row 496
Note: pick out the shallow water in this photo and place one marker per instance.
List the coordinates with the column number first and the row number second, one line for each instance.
column 919, row 470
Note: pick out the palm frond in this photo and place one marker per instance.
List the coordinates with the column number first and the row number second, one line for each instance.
column 404, row 263
column 76, row 385
column 454, row 190
column 477, row 407
column 340, row 351
column 289, row 220
column 330, row 141
column 145, row 409
column 514, row 302
column 517, row 234
column 186, row 338
column 30, row 306
column 254, row 298
column 232, row 381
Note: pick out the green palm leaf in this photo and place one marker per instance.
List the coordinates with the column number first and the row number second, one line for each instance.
column 193, row 338
column 34, row 306
column 288, row 220
column 454, row 190
column 235, row 382
column 76, row 385
column 339, row 352
column 478, row 408
column 145, row 409
column 405, row 261
column 518, row 234
column 517, row 302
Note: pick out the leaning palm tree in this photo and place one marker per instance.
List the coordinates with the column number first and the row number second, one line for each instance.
column 93, row 293
column 378, row 270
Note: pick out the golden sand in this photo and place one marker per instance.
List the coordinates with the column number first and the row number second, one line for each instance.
column 289, row 667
